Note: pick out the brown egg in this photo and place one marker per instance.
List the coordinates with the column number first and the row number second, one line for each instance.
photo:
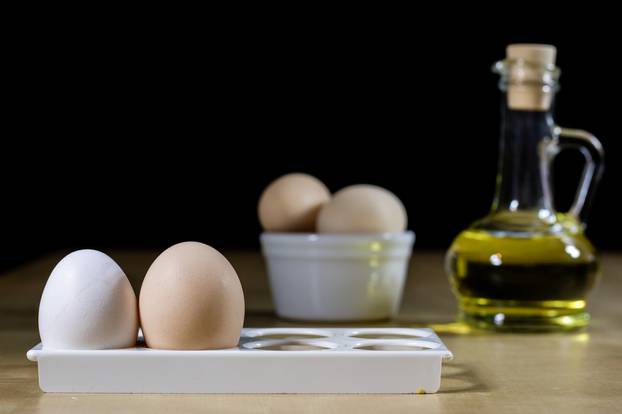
column 191, row 298
column 362, row 209
column 291, row 203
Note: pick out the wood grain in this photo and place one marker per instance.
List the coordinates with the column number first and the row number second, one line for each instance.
column 491, row 373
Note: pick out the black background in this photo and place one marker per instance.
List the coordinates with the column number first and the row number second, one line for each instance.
column 141, row 137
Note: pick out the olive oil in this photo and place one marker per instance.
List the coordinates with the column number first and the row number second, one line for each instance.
column 526, row 266
column 517, row 281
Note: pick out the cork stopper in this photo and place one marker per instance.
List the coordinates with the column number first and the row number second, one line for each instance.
column 533, row 53
column 528, row 66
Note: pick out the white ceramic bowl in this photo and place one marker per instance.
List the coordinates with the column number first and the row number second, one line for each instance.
column 337, row 277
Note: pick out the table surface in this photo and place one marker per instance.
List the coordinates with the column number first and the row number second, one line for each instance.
column 576, row 372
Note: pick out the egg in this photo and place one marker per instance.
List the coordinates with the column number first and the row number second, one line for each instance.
column 191, row 298
column 88, row 303
column 291, row 203
column 362, row 209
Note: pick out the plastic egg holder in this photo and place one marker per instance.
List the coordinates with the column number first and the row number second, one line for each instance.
column 270, row 360
column 337, row 277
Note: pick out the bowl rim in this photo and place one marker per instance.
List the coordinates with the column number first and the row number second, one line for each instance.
column 407, row 236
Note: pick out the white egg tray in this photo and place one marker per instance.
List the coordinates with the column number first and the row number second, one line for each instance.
column 267, row 360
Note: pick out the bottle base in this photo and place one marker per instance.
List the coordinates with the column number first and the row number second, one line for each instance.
column 524, row 316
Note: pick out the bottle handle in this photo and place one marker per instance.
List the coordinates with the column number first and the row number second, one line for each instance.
column 592, row 151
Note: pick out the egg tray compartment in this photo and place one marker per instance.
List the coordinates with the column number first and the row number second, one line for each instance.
column 267, row 360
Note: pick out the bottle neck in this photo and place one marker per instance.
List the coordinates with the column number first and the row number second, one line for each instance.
column 523, row 172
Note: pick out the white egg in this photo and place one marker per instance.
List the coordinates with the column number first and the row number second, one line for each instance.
column 88, row 303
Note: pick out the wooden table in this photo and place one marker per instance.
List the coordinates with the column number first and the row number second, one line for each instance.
column 491, row 373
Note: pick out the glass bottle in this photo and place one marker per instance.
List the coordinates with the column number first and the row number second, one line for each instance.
column 525, row 266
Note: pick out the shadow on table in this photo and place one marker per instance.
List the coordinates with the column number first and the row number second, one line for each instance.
column 460, row 378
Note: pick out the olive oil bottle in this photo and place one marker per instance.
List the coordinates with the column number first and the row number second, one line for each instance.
column 526, row 266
